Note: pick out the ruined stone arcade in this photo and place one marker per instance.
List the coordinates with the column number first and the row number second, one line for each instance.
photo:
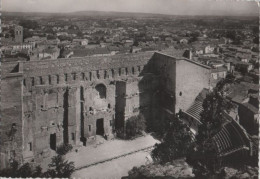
column 47, row 103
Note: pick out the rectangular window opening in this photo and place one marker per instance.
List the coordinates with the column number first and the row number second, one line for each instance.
column 72, row 136
column 30, row 146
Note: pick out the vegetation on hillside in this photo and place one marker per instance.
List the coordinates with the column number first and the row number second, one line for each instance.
column 175, row 144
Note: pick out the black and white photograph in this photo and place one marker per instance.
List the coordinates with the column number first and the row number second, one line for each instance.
column 129, row 89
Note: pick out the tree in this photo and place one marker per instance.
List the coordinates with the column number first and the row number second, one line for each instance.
column 37, row 172
column 51, row 37
column 135, row 125
column 29, row 24
column 212, row 118
column 80, row 34
column 63, row 38
column 255, row 30
column 231, row 34
column 10, row 172
column 136, row 43
column 26, row 170
column 175, row 169
column 59, row 168
column 49, row 30
column 12, row 33
column 194, row 37
column 27, row 33
column 256, row 40
column 175, row 144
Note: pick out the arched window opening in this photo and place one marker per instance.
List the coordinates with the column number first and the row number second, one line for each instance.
column 90, row 76
column 113, row 73
column 101, row 90
column 41, row 81
column 58, row 79
column 49, row 77
column 105, row 74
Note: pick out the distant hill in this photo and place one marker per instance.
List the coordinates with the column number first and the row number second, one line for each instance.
column 112, row 14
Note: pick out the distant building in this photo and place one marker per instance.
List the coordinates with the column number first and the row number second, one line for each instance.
column 80, row 41
column 49, row 53
column 249, row 114
column 35, row 40
column 209, row 49
column 183, row 41
column 217, row 74
column 243, row 67
column 18, row 33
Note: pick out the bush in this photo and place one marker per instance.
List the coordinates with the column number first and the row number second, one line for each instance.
column 135, row 126
column 63, row 149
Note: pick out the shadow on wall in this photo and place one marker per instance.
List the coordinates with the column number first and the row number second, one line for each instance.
column 154, row 98
column 127, row 107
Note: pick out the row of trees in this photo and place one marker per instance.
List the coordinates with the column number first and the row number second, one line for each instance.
column 58, row 167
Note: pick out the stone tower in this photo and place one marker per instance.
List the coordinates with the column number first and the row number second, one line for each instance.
column 18, row 34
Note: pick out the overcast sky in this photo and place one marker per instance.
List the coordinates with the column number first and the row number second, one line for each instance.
column 175, row 7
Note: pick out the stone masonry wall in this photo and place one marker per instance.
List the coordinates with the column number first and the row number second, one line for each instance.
column 11, row 123
column 64, row 100
column 191, row 78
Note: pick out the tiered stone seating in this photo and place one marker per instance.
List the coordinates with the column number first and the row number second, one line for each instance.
column 231, row 138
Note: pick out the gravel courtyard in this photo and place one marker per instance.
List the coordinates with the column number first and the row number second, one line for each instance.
column 116, row 168
column 109, row 149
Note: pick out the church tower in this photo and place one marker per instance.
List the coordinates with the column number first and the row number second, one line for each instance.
column 18, row 31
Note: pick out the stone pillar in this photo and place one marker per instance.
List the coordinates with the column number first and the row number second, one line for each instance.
column 53, row 79
column 45, row 80
column 74, row 116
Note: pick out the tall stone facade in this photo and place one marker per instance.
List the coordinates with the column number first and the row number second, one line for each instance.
column 47, row 103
